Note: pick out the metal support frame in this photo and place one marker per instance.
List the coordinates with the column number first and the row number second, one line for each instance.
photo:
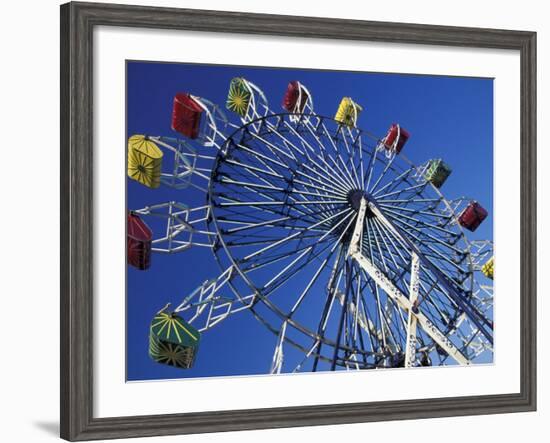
column 183, row 228
column 206, row 307
column 484, row 325
column 386, row 284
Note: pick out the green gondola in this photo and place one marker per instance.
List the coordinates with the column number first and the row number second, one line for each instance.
column 239, row 96
column 173, row 341
column 437, row 172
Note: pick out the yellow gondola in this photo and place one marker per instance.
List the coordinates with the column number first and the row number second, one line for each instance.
column 488, row 268
column 144, row 161
column 348, row 112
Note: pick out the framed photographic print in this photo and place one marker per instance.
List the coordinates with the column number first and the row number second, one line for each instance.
column 273, row 221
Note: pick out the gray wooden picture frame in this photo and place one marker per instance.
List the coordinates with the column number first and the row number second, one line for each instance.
column 77, row 24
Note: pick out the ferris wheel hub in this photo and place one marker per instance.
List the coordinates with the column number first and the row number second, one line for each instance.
column 354, row 198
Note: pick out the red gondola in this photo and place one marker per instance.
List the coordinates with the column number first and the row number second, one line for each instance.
column 472, row 216
column 139, row 237
column 396, row 138
column 295, row 97
column 186, row 115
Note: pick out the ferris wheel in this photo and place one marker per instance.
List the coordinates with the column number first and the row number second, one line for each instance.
column 328, row 235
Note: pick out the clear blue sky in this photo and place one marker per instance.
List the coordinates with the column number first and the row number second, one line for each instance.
column 448, row 117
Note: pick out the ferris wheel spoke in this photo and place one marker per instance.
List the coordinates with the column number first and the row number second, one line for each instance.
column 245, row 156
column 258, row 155
column 295, row 205
column 276, row 150
column 273, row 258
column 339, row 163
column 269, row 223
column 235, row 202
column 339, row 136
column 326, row 177
column 243, row 165
column 312, row 281
column 250, row 186
column 384, row 320
column 355, row 167
column 351, row 148
column 315, row 132
column 377, row 242
column 439, row 255
column 255, row 240
column 238, row 164
column 259, row 215
column 381, row 327
column 392, row 236
column 387, row 167
column 327, row 172
column 306, row 194
column 317, row 184
column 345, row 177
column 367, row 177
column 359, row 146
column 424, row 235
column 303, row 152
column 387, row 248
column 329, row 303
column 428, row 307
column 321, row 240
column 323, row 178
column 329, row 136
column 344, row 132
column 417, row 200
column 418, row 211
column 396, row 216
column 393, row 239
column 377, row 256
column 391, row 185
column 369, row 322
column 293, row 236
column 295, row 131
column 415, row 188
column 316, row 179
column 339, row 331
column 354, row 311
column 271, row 193
column 434, row 294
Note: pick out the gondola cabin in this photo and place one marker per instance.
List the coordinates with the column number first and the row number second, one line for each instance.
column 173, row 341
column 144, row 161
column 295, row 98
column 348, row 112
column 139, row 238
column 488, row 268
column 396, row 138
column 239, row 96
column 472, row 216
column 186, row 115
column 437, row 172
